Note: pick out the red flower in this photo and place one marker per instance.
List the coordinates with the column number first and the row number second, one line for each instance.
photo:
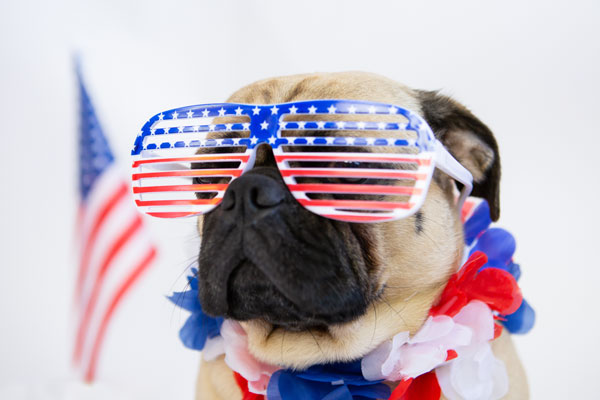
column 243, row 384
column 493, row 286
column 423, row 387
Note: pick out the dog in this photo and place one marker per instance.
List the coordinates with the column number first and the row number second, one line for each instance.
column 309, row 290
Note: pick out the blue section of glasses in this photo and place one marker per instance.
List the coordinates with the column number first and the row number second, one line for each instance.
column 267, row 120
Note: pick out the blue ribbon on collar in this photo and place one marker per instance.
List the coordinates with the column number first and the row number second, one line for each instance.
column 199, row 327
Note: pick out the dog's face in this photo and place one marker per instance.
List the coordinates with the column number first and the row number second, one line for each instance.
column 308, row 289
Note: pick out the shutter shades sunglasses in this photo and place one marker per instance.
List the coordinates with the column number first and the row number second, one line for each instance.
column 348, row 160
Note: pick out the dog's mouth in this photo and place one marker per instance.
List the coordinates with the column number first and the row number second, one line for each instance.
column 295, row 303
column 252, row 295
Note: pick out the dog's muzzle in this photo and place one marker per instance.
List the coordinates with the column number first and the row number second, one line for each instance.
column 265, row 256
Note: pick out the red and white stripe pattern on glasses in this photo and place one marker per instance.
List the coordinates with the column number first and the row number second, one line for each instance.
column 166, row 185
column 401, row 195
column 168, row 173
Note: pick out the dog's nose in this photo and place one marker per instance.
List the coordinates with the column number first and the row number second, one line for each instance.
column 252, row 193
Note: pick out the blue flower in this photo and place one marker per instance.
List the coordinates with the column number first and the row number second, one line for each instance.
column 339, row 381
column 499, row 246
column 199, row 327
column 522, row 320
column 477, row 223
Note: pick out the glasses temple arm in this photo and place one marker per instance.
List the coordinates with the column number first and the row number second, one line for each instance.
column 448, row 164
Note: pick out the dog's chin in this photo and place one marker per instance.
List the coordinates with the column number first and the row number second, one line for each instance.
column 340, row 342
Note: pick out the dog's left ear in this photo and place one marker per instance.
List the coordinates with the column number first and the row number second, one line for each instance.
column 469, row 140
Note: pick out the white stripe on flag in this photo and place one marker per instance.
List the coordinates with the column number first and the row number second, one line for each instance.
column 130, row 255
column 117, row 251
column 122, row 214
column 104, row 186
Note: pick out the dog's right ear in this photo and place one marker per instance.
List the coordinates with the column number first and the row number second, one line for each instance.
column 469, row 140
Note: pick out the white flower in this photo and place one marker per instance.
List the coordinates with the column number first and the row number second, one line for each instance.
column 475, row 374
column 239, row 359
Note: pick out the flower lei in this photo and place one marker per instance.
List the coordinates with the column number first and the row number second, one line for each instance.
column 451, row 353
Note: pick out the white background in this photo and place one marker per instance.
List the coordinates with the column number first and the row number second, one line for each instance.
column 527, row 69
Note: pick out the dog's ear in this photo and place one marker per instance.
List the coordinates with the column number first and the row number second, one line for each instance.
column 469, row 140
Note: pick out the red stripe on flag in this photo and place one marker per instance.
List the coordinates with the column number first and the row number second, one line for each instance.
column 191, row 172
column 243, row 158
column 370, row 205
column 116, row 299
column 343, row 188
column 354, row 157
column 107, row 207
column 181, row 188
column 116, row 246
column 349, row 172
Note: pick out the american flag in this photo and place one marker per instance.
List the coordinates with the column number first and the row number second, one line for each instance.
column 114, row 248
